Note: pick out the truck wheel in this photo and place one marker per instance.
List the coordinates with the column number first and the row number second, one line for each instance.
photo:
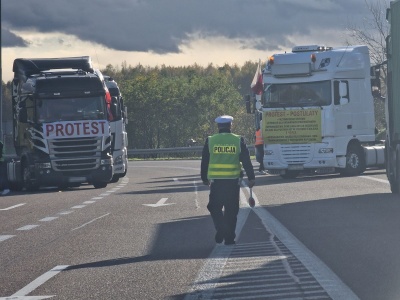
column 355, row 161
column 290, row 174
column 28, row 183
column 115, row 178
column 99, row 185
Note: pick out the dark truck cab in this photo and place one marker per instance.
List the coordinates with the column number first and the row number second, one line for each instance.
column 61, row 126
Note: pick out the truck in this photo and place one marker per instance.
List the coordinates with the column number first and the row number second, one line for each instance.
column 119, row 141
column 392, row 104
column 61, row 130
column 317, row 112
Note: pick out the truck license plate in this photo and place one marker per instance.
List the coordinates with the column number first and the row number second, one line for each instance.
column 295, row 167
column 77, row 179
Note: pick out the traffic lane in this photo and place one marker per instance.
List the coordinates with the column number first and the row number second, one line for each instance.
column 354, row 230
column 169, row 255
column 23, row 251
column 40, row 204
column 109, row 252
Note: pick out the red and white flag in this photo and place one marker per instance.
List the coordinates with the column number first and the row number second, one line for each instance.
column 256, row 84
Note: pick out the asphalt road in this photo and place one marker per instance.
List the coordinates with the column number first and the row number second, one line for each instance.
column 150, row 236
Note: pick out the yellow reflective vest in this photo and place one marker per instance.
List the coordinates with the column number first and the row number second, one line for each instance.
column 224, row 160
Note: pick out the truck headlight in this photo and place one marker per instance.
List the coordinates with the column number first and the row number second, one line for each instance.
column 43, row 165
column 118, row 160
column 107, row 161
column 325, row 150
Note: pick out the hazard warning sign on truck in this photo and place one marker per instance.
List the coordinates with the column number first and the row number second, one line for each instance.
column 292, row 126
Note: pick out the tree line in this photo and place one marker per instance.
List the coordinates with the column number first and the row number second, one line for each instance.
column 168, row 106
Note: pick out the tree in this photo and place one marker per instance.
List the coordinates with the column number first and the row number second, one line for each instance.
column 373, row 33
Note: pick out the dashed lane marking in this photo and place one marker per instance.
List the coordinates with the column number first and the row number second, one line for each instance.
column 28, row 227
column 11, row 207
column 5, row 237
column 48, row 219
column 21, row 294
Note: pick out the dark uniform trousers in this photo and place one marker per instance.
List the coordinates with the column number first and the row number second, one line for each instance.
column 224, row 193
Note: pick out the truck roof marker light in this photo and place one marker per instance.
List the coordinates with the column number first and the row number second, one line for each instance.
column 271, row 60
column 313, row 58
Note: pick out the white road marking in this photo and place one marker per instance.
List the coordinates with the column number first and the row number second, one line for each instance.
column 331, row 283
column 89, row 202
column 208, row 277
column 38, row 282
column 28, row 227
column 78, row 206
column 67, row 212
column 160, row 202
column 375, row 179
column 97, row 198
column 5, row 237
column 48, row 219
column 90, row 222
column 14, row 206
column 105, row 194
column 196, row 199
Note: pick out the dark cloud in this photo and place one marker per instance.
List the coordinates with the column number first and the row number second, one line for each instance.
column 9, row 39
column 161, row 26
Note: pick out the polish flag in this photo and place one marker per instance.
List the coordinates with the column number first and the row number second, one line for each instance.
column 256, row 84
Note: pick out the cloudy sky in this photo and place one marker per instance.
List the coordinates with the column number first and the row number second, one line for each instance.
column 171, row 32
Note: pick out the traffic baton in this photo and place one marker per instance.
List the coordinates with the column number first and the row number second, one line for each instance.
column 252, row 202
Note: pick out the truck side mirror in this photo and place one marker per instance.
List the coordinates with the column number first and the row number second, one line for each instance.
column 342, row 89
column 248, row 104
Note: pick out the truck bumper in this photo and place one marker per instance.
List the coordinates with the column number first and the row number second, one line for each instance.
column 49, row 177
column 322, row 163
column 120, row 162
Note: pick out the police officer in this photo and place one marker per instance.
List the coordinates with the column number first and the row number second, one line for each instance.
column 222, row 156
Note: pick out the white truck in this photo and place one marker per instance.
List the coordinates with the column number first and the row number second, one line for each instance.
column 318, row 112
column 119, row 141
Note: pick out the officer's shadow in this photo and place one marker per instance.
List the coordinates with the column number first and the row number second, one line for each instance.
column 189, row 238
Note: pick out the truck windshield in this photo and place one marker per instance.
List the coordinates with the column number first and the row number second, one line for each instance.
column 298, row 94
column 70, row 109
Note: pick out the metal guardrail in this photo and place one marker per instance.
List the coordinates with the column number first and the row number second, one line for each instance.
column 178, row 152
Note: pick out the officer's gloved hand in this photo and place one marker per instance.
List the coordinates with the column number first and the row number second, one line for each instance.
column 252, row 183
column 206, row 182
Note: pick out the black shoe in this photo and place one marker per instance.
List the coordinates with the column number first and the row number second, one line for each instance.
column 230, row 242
column 219, row 238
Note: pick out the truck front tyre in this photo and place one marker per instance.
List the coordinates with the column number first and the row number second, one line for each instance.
column 99, row 185
column 28, row 182
column 355, row 161
column 290, row 174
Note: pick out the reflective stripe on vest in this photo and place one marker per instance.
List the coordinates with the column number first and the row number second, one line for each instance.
column 259, row 139
column 224, row 151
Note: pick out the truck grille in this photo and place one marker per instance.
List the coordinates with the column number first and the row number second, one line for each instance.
column 75, row 154
column 296, row 154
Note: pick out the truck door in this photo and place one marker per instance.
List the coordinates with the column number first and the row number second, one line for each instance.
column 342, row 111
